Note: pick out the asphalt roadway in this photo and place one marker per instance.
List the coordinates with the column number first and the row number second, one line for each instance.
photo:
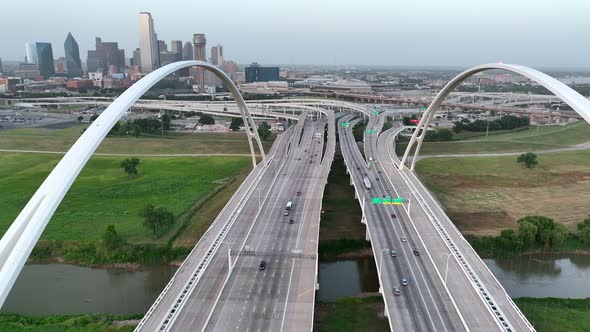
column 282, row 296
column 423, row 305
column 469, row 298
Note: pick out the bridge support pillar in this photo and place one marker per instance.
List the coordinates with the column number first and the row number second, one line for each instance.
column 385, row 311
column 367, row 236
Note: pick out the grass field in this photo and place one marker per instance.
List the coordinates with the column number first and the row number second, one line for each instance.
column 342, row 213
column 200, row 221
column 483, row 195
column 81, row 323
column 532, row 139
column 186, row 143
column 351, row 315
column 556, row 315
column 103, row 194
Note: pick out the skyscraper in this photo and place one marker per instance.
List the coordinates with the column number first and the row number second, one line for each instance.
column 107, row 54
column 217, row 55
column 187, row 51
column 162, row 47
column 1, row 71
column 200, row 52
column 72, row 52
column 31, row 53
column 45, row 59
column 148, row 43
column 176, row 46
column 256, row 73
column 137, row 57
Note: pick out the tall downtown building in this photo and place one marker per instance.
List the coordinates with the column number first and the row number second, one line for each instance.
column 45, row 59
column 200, row 53
column 148, row 43
column 187, row 51
column 73, row 61
column 217, row 55
column 31, row 53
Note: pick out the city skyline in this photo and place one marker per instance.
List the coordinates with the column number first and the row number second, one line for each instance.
column 405, row 34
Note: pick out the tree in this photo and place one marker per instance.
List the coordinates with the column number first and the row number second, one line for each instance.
column 166, row 121
column 445, row 135
column 111, row 239
column 80, row 118
column 264, row 131
column 129, row 165
column 509, row 239
column 527, row 233
column 116, row 130
column 93, row 117
column 529, row 159
column 206, row 120
column 558, row 235
column 158, row 220
column 584, row 224
column 585, row 234
column 236, row 123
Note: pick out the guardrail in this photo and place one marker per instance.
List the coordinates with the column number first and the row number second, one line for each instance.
column 459, row 257
column 196, row 274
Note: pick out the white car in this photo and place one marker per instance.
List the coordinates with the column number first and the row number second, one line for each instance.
column 404, row 239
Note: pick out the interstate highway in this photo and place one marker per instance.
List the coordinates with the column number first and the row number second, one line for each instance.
column 282, row 296
column 423, row 305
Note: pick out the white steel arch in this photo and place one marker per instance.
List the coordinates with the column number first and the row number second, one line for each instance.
column 576, row 101
column 18, row 241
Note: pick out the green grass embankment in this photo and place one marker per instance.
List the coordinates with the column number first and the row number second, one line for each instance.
column 351, row 315
column 81, row 323
column 556, row 315
column 341, row 230
column 103, row 195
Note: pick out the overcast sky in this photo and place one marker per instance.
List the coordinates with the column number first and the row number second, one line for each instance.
column 539, row 33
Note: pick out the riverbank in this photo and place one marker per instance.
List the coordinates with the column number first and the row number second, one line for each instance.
column 342, row 235
column 500, row 247
column 80, row 323
column 556, row 315
column 353, row 314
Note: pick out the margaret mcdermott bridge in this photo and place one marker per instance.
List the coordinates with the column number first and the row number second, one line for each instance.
column 219, row 287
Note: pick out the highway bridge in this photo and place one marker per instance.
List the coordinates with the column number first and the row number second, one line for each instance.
column 430, row 277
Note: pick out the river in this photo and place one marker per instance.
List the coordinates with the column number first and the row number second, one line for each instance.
column 61, row 289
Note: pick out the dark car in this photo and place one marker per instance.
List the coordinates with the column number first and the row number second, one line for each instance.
column 393, row 216
column 379, row 172
column 416, row 252
column 262, row 265
column 298, row 193
column 291, row 221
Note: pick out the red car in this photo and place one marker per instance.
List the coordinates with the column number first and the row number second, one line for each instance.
column 299, row 193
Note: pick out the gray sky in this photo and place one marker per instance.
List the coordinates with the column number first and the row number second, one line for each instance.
column 369, row 32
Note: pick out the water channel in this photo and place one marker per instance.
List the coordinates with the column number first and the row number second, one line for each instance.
column 51, row 289
column 61, row 289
